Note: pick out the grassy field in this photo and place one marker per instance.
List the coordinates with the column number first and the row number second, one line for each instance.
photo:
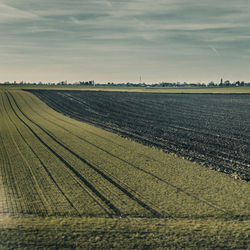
column 68, row 184
column 136, row 233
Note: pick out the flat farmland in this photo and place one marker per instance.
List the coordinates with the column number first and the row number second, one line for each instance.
column 68, row 184
column 211, row 129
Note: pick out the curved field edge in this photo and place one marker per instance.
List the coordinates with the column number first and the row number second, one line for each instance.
column 171, row 122
column 99, row 233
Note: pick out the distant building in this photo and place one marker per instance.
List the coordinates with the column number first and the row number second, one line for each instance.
column 221, row 81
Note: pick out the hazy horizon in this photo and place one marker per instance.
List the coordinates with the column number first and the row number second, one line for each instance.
column 119, row 41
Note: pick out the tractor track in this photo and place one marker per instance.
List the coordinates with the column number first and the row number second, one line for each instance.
column 105, row 151
column 75, row 172
column 89, row 185
column 42, row 164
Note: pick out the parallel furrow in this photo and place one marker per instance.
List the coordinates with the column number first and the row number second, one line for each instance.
column 13, row 192
column 166, row 123
column 170, row 146
column 103, row 150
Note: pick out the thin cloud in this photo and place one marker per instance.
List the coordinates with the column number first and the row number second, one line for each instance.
column 214, row 50
column 108, row 3
column 11, row 14
column 163, row 33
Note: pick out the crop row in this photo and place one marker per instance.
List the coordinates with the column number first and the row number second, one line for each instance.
column 57, row 202
column 30, row 125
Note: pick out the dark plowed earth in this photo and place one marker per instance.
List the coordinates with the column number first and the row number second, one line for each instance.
column 212, row 129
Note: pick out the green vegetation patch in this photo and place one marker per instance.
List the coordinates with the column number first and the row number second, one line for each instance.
column 123, row 233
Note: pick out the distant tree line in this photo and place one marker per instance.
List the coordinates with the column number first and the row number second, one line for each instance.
column 222, row 83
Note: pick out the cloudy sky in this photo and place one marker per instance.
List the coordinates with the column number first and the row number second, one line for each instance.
column 119, row 40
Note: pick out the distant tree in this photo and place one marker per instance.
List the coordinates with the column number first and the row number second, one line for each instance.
column 211, row 84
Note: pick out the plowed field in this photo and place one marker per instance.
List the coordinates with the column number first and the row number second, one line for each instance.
column 211, row 129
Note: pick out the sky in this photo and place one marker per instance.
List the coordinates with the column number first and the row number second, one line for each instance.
column 121, row 40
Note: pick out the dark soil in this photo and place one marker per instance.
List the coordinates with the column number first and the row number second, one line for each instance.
column 211, row 129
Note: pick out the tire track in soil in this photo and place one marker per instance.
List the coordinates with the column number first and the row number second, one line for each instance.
column 38, row 189
column 117, row 185
column 4, row 203
column 140, row 169
column 97, row 135
column 42, row 164
column 13, row 189
column 80, row 177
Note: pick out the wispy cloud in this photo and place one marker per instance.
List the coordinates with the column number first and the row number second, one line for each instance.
column 11, row 14
column 214, row 50
column 178, row 34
